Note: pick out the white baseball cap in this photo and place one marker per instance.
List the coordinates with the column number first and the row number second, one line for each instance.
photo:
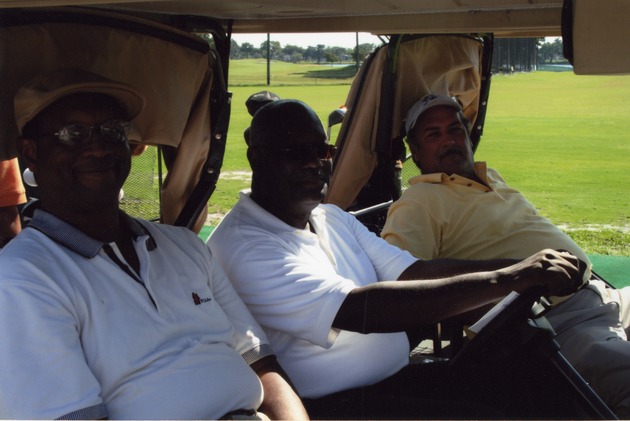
column 425, row 103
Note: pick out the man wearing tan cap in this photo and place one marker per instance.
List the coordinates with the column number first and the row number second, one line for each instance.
column 103, row 315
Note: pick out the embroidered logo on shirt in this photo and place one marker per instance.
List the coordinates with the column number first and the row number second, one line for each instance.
column 198, row 300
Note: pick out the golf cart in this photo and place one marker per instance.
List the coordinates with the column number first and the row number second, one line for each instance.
column 154, row 46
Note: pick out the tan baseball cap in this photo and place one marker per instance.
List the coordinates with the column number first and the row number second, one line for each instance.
column 32, row 98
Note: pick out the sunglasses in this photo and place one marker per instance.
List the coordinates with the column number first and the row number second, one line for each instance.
column 113, row 131
column 298, row 153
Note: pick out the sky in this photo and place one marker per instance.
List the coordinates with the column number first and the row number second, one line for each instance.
column 330, row 39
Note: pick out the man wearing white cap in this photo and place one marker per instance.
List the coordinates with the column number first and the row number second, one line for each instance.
column 106, row 316
column 460, row 209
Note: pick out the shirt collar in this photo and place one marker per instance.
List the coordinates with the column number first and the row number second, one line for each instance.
column 267, row 219
column 481, row 171
column 74, row 239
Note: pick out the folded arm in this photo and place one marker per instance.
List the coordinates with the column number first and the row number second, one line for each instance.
column 280, row 401
column 9, row 223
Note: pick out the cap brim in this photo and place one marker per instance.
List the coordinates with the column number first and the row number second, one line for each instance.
column 131, row 101
column 421, row 107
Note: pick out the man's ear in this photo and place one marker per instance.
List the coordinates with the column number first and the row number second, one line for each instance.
column 28, row 149
column 415, row 156
column 413, row 150
column 254, row 156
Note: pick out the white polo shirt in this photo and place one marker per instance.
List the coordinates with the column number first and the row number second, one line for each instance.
column 294, row 282
column 81, row 338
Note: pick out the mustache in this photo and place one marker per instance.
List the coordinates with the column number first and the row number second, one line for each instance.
column 93, row 164
column 451, row 151
column 312, row 173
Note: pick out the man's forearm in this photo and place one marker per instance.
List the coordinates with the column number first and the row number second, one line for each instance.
column 9, row 223
column 444, row 268
column 280, row 401
column 394, row 306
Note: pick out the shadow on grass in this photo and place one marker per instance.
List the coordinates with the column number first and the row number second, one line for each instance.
column 338, row 72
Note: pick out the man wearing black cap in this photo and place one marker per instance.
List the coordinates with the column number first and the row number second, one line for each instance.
column 255, row 102
column 103, row 315
column 461, row 209
column 324, row 288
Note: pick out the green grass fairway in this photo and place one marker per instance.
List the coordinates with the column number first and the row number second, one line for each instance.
column 253, row 72
column 564, row 140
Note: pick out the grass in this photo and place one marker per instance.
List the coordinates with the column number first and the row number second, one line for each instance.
column 563, row 140
column 570, row 137
column 254, row 73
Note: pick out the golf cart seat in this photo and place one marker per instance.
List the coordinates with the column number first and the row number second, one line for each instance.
column 180, row 74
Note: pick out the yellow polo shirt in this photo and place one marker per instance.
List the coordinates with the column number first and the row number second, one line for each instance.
column 449, row 216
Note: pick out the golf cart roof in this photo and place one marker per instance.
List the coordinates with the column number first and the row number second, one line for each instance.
column 587, row 26
column 505, row 18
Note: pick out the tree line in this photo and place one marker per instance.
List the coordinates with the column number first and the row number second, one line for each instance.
column 319, row 53
column 509, row 54
column 524, row 54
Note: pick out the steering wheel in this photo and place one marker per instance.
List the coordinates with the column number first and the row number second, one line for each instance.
column 502, row 332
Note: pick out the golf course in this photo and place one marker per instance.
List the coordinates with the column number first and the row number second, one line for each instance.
column 561, row 139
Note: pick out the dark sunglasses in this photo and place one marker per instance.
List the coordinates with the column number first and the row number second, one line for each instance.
column 298, row 153
column 113, row 131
